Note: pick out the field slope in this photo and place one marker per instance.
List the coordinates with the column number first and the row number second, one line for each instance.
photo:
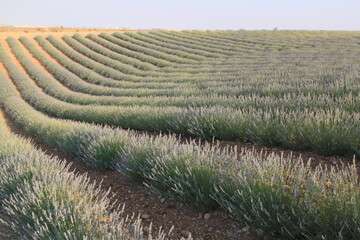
column 289, row 90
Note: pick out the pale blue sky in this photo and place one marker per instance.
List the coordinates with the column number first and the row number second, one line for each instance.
column 184, row 14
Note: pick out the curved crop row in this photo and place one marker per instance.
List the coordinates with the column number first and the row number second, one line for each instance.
column 118, row 40
column 143, row 36
column 114, row 55
column 233, row 91
column 108, row 61
column 53, row 88
column 250, row 43
column 86, row 61
column 83, row 68
column 240, row 89
column 191, row 48
column 221, row 47
column 125, row 68
column 127, row 37
column 241, row 42
column 76, row 83
column 78, row 69
column 127, row 52
column 87, row 73
column 183, row 42
column 206, row 37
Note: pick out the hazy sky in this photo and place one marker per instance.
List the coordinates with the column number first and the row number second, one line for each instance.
column 184, row 14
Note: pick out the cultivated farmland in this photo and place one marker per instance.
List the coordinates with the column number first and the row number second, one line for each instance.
column 169, row 109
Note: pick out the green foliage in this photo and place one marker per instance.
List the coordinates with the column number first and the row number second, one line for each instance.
column 283, row 198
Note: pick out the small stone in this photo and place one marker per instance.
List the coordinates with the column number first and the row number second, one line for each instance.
column 185, row 233
column 210, row 229
column 145, row 216
column 207, row 216
column 142, row 199
column 245, row 229
column 162, row 200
